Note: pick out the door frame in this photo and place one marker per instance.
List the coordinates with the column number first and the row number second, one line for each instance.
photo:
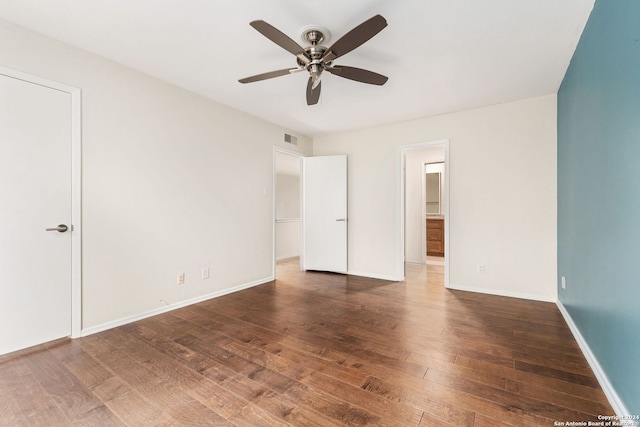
column 76, row 188
column 300, row 156
column 400, row 256
column 423, row 224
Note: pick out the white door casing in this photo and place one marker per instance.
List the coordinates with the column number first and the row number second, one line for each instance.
column 324, row 181
column 39, row 183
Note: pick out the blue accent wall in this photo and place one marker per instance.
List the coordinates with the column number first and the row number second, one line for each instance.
column 599, row 192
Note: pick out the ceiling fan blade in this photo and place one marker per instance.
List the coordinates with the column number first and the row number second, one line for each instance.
column 313, row 95
column 281, row 39
column 269, row 75
column 358, row 74
column 356, row 37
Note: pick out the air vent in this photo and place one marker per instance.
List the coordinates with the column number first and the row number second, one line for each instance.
column 290, row 139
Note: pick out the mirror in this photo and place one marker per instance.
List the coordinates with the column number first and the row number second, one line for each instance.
column 433, row 193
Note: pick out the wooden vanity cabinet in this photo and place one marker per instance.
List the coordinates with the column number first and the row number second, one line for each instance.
column 435, row 237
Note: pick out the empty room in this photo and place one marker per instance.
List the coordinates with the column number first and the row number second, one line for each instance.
column 269, row 212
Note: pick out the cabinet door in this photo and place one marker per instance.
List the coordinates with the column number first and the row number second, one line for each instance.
column 435, row 237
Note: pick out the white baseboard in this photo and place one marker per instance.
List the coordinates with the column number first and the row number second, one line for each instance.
column 602, row 378
column 502, row 293
column 160, row 310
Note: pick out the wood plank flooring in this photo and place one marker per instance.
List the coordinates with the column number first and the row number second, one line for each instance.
column 315, row 349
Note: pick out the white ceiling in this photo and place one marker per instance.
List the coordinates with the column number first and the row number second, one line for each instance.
column 440, row 55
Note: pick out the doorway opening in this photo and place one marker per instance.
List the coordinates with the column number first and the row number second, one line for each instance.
column 434, row 189
column 287, row 202
column 418, row 217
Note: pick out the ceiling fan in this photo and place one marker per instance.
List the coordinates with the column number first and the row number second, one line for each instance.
column 316, row 58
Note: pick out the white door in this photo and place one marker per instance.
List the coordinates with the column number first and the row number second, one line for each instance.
column 35, row 194
column 324, row 205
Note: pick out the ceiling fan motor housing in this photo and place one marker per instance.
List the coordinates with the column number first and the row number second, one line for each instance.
column 314, row 35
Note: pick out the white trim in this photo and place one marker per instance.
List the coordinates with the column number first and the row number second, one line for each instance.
column 501, row 293
column 602, row 378
column 76, row 213
column 284, row 220
column 76, row 189
column 130, row 319
column 400, row 256
column 300, row 156
column 376, row 276
column 423, row 223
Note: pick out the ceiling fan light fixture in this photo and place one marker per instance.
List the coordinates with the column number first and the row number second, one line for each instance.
column 315, row 71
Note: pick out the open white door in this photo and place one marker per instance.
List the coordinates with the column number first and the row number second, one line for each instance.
column 324, row 206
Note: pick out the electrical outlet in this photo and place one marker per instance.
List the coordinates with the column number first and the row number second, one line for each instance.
column 205, row 273
column 480, row 268
column 180, row 279
column 563, row 281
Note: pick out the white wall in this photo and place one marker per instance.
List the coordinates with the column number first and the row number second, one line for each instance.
column 414, row 187
column 158, row 162
column 502, row 171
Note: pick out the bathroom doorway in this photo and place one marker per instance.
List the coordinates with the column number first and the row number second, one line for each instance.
column 413, row 203
column 435, row 209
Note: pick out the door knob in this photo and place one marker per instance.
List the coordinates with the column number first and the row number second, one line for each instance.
column 60, row 228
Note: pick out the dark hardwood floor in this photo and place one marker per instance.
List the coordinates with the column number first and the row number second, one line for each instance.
column 316, row 349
